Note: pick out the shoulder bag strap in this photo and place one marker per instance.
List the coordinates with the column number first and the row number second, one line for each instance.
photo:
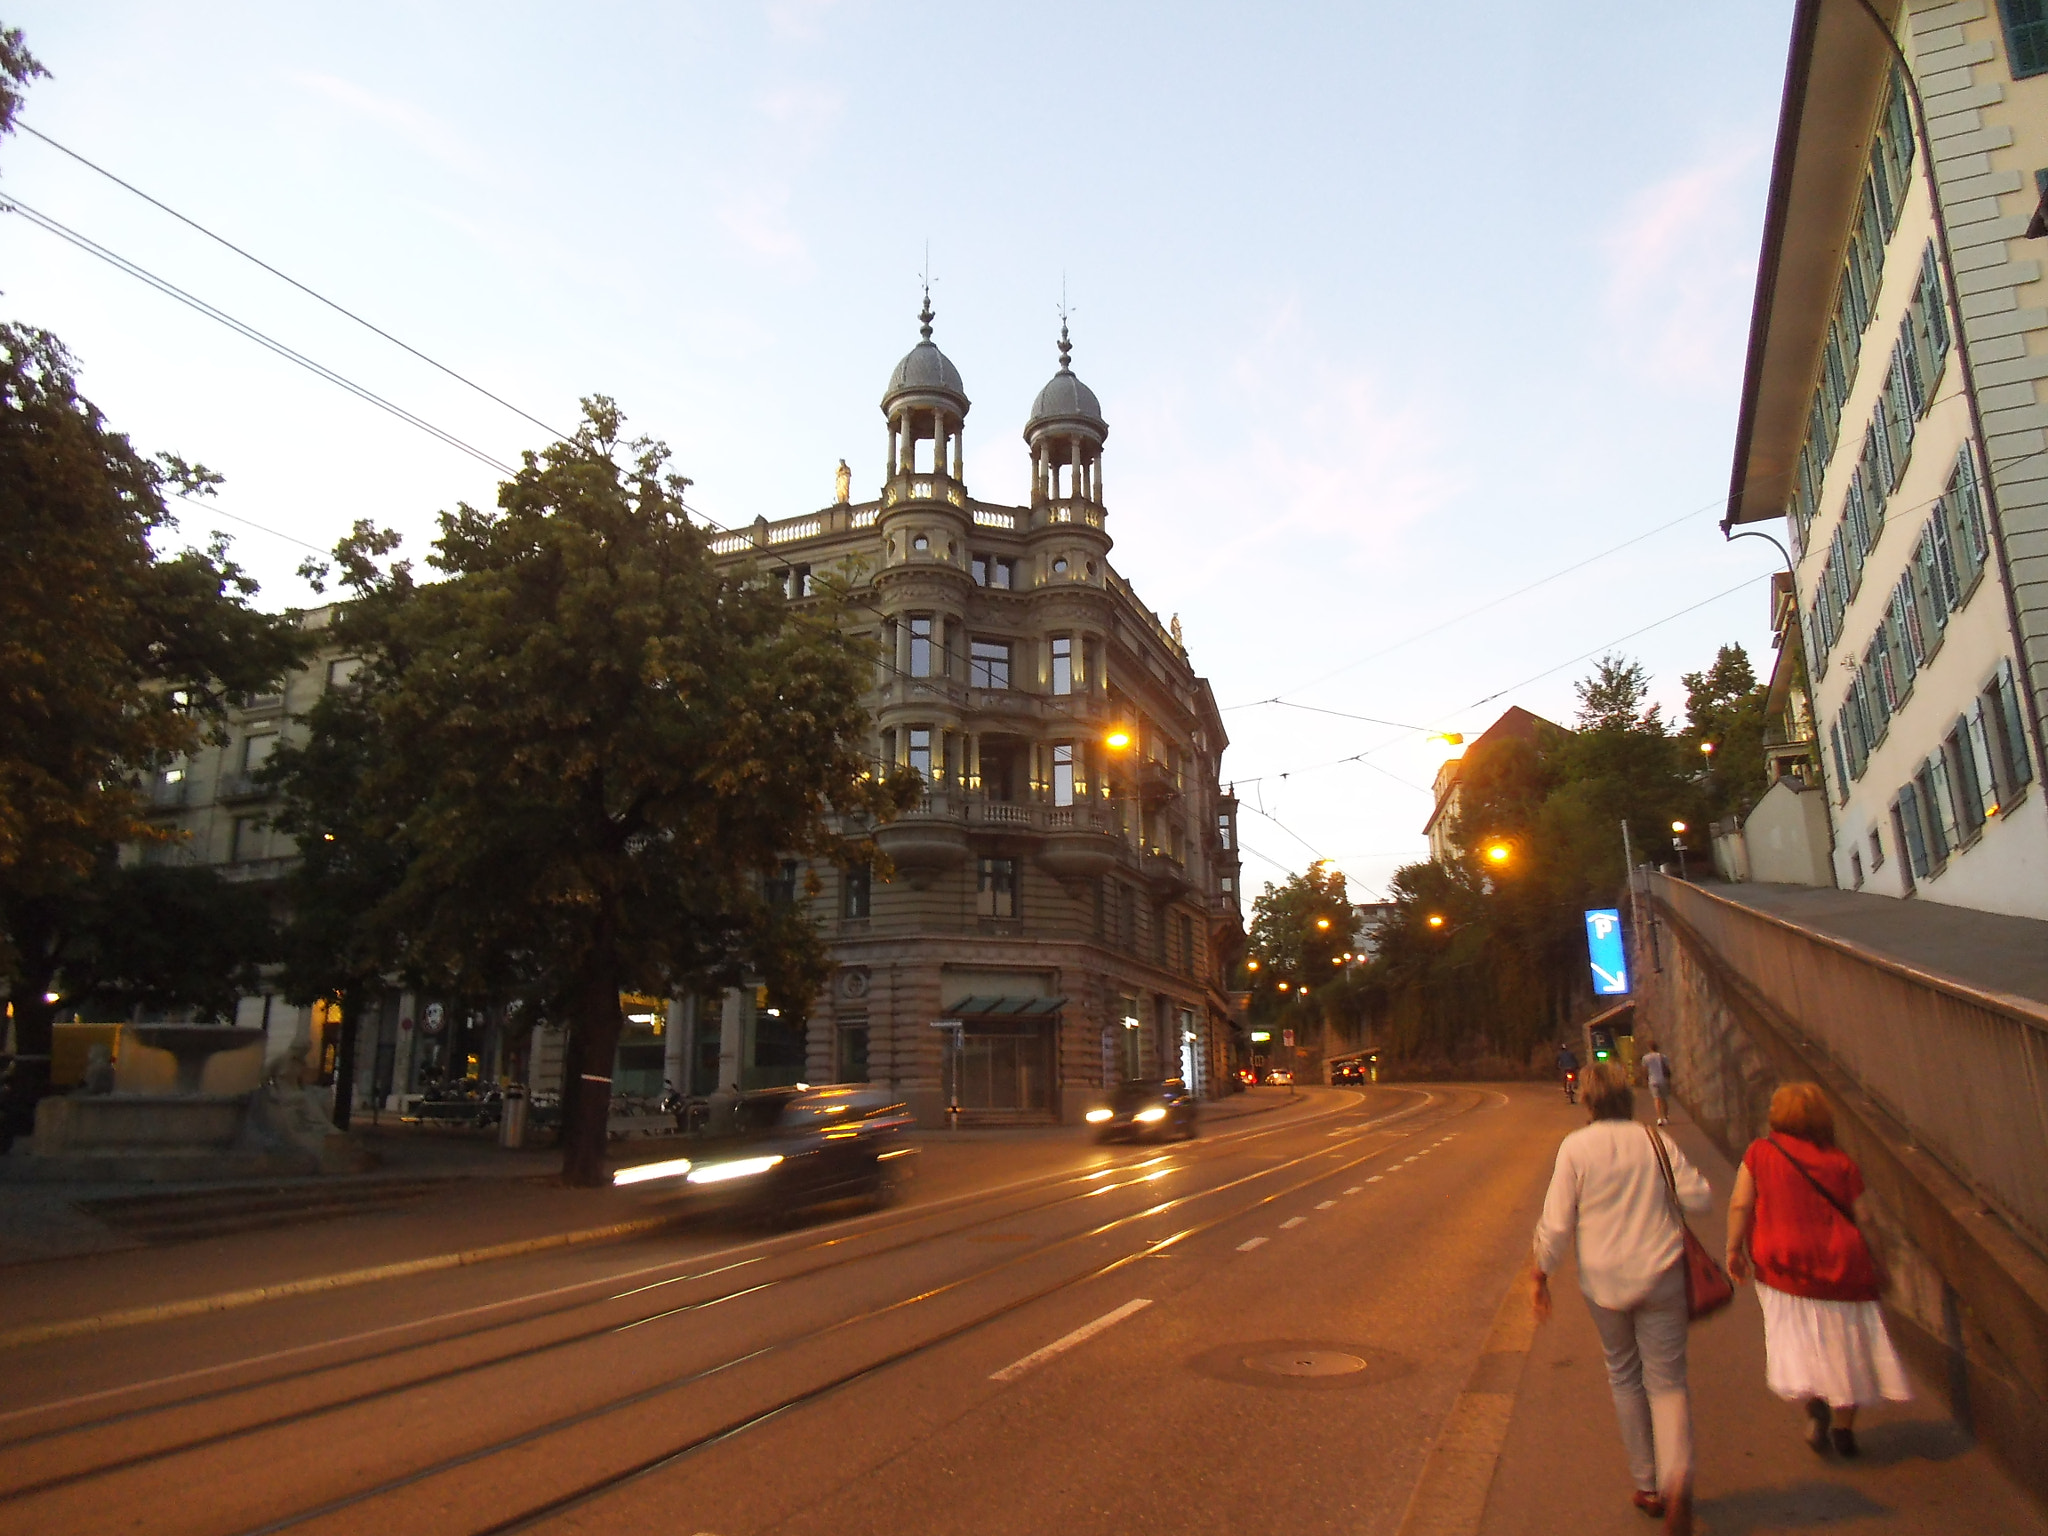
column 1819, row 1188
column 1664, row 1166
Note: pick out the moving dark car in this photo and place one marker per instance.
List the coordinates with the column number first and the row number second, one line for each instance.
column 1348, row 1072
column 1146, row 1107
column 793, row 1151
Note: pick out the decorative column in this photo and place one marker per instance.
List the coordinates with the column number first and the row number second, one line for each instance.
column 960, row 453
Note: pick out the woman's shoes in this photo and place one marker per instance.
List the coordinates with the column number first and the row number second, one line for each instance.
column 1845, row 1442
column 1678, row 1514
column 1650, row 1503
column 1818, row 1412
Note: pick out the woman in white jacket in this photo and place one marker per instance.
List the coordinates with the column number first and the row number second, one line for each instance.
column 1608, row 1196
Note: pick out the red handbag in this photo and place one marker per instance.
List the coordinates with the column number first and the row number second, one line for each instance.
column 1707, row 1286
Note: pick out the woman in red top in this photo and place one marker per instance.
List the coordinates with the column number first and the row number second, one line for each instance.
column 1793, row 1221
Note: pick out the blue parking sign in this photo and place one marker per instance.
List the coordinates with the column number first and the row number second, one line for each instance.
column 1604, row 949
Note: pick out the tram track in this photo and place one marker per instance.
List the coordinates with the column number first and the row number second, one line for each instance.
column 1325, row 1152
column 564, row 1302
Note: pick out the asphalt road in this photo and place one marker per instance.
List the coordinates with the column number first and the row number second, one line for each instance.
column 1260, row 1330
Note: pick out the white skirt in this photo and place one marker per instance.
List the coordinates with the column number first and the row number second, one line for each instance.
column 1836, row 1350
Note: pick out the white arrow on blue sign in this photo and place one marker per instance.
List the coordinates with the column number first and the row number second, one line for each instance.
column 1604, row 950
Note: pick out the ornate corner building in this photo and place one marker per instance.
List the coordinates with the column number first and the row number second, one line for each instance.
column 1064, row 896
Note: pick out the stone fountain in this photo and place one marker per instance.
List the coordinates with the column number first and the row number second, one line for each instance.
column 142, row 1132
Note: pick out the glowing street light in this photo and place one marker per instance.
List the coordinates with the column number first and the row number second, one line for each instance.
column 1117, row 740
column 1251, row 965
column 1707, row 748
column 1435, row 921
column 1498, row 852
column 1322, row 922
column 1678, row 827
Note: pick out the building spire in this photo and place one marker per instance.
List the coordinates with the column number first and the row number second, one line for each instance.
column 925, row 315
column 1066, row 346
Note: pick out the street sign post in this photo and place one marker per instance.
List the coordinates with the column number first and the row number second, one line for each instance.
column 1605, row 953
column 954, row 1062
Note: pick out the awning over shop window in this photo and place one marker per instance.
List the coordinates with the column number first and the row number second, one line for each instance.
column 1004, row 1007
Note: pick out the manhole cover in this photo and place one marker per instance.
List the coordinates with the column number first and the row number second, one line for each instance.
column 1306, row 1362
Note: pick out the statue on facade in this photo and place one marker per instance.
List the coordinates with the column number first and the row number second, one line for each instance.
column 1178, row 643
column 843, row 490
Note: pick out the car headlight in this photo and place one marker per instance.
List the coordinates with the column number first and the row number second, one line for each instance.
column 1097, row 1116
column 1148, row 1116
column 739, row 1168
column 674, row 1168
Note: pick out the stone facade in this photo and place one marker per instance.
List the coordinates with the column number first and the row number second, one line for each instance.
column 1065, row 897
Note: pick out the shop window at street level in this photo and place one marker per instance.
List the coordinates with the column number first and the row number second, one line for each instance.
column 988, row 664
column 996, row 888
column 2026, row 36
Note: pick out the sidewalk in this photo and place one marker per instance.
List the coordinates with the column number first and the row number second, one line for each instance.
column 1562, row 1469
column 1985, row 950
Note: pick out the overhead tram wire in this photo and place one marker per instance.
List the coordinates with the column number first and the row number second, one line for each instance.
column 286, row 277
column 12, row 204
column 1360, row 757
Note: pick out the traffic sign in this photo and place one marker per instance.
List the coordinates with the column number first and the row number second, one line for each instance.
column 1605, row 952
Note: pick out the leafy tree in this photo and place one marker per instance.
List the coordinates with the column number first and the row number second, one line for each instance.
column 1724, row 707
column 17, row 68
column 1299, row 928
column 589, row 746
column 113, row 663
column 333, row 946
column 163, row 938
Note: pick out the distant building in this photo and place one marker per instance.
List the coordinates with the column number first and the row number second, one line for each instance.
column 1515, row 724
column 1367, row 916
column 1893, row 416
column 1066, row 896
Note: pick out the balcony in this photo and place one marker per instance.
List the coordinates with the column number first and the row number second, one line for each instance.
column 1167, row 875
column 1071, row 841
column 240, row 786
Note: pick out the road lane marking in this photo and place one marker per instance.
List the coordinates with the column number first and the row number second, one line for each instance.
column 1292, row 1221
column 1375, row 1178
column 1250, row 1243
column 1354, row 1189
column 1080, row 1335
column 1324, row 1205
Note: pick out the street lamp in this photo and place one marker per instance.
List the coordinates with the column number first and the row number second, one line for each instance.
column 1322, row 922
column 1678, row 842
column 1707, row 747
column 1117, row 740
column 1251, row 965
column 1435, row 921
column 1498, row 852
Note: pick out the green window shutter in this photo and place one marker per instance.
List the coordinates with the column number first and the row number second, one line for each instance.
column 2026, row 36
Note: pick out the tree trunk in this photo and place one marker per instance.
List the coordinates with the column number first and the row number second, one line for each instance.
column 586, row 1074
column 29, row 1079
column 345, row 1054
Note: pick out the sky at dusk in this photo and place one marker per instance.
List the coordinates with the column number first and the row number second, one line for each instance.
column 1394, row 311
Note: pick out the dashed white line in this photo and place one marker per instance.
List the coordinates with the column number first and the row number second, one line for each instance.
column 1080, row 1335
column 1250, row 1243
column 1375, row 1178
column 1354, row 1189
column 1324, row 1205
column 1292, row 1221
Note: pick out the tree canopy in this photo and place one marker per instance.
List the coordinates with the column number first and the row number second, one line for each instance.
column 585, row 747
column 114, row 661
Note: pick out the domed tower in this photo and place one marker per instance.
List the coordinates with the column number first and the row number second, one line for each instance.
column 926, row 402
column 1065, row 433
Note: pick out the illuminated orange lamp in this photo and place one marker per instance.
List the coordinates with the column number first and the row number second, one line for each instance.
column 1498, row 853
column 1435, row 921
column 1117, row 740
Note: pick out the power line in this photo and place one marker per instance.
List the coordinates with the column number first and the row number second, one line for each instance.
column 165, row 286
column 286, row 277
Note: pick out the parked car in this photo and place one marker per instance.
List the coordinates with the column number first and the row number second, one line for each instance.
column 792, row 1151
column 1146, row 1108
column 1279, row 1077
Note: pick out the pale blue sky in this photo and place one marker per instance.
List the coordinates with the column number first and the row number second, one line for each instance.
column 1392, row 309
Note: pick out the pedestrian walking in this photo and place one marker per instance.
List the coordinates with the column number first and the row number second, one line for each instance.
column 1798, row 1221
column 1657, row 1073
column 1609, row 1196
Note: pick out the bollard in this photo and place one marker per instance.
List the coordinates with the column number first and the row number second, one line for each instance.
column 512, row 1121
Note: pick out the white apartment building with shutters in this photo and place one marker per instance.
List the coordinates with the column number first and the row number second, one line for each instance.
column 1892, row 417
